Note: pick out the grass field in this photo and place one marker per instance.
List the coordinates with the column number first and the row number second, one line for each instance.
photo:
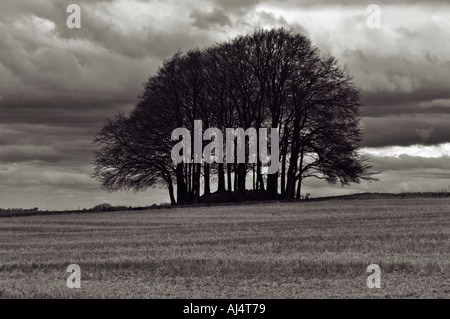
column 278, row 250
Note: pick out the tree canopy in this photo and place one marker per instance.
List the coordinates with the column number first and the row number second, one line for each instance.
column 269, row 78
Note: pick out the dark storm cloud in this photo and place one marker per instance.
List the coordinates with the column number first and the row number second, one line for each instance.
column 103, row 25
column 49, row 68
column 52, row 145
column 403, row 75
column 426, row 129
column 27, row 153
column 401, row 84
column 46, row 65
column 421, row 102
column 74, row 112
column 208, row 20
column 240, row 15
column 143, row 42
column 233, row 5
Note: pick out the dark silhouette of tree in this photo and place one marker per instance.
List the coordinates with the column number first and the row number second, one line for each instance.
column 272, row 78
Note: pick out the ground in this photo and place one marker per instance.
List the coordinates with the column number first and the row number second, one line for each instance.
column 308, row 249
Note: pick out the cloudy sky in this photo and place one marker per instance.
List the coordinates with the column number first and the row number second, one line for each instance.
column 58, row 85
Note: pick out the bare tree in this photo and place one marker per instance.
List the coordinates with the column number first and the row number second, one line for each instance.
column 272, row 78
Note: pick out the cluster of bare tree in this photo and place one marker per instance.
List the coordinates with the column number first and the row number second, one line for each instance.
column 272, row 78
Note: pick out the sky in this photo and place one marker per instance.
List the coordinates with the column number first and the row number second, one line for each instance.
column 58, row 85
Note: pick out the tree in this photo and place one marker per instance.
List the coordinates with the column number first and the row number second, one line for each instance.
column 124, row 162
column 273, row 78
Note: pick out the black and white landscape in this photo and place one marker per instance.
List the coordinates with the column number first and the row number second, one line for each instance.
column 91, row 92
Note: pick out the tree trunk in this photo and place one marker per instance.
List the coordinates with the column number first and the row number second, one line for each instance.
column 242, row 174
column 181, row 187
column 207, row 189
column 235, row 178
column 230, row 189
column 221, row 172
column 283, row 173
column 292, row 171
column 254, row 176
column 272, row 179
column 173, row 202
column 299, row 188
column 189, row 181
column 196, row 182
column 272, row 185
column 259, row 176
column 186, row 191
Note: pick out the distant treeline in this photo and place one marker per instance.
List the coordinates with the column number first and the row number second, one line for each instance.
column 13, row 212
column 109, row 208
column 19, row 210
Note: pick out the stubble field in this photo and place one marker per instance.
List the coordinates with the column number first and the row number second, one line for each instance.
column 277, row 250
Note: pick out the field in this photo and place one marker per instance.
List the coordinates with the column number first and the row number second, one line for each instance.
column 311, row 249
